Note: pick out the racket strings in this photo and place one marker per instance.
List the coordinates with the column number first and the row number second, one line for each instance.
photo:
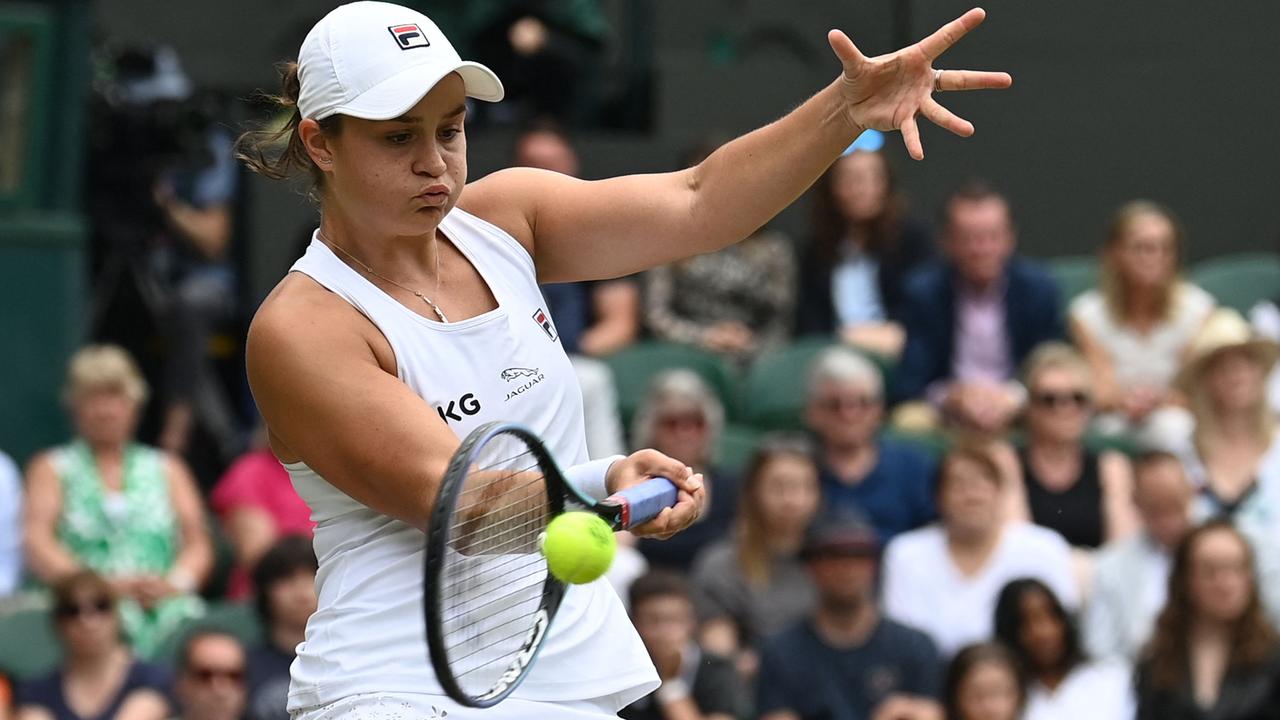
column 493, row 575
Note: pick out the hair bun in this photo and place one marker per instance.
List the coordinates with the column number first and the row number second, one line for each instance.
column 291, row 85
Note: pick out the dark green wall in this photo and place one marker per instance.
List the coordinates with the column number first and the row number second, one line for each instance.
column 42, row 267
column 1113, row 100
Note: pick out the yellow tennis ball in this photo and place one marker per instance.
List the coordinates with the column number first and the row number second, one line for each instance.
column 579, row 547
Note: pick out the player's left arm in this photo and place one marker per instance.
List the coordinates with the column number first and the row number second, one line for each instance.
column 580, row 229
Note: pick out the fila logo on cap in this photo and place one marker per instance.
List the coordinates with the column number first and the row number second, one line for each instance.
column 409, row 36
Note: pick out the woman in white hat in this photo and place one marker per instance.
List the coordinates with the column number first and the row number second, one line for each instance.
column 1234, row 456
column 391, row 338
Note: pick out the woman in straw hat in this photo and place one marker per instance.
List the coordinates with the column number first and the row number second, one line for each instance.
column 396, row 332
column 1234, row 455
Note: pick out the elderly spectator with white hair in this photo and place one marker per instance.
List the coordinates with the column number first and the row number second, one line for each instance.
column 120, row 508
column 887, row 481
column 682, row 418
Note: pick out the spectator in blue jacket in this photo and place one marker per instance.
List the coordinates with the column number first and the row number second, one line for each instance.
column 973, row 318
column 888, row 481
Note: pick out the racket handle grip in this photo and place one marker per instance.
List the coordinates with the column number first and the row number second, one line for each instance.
column 641, row 503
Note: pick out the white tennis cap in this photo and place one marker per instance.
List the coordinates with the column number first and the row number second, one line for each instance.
column 375, row 60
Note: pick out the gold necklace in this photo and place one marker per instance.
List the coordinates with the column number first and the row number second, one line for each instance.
column 371, row 271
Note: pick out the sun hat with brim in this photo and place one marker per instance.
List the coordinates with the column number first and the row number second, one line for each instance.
column 376, row 60
column 1225, row 330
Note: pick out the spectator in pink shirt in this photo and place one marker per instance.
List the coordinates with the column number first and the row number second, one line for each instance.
column 257, row 506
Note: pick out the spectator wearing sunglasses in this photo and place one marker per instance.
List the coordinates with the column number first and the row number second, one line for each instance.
column 682, row 418
column 99, row 679
column 886, row 481
column 1086, row 496
column 211, row 677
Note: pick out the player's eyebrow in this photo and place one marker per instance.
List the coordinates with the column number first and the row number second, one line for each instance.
column 415, row 119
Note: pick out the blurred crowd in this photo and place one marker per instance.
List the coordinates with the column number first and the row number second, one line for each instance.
column 999, row 502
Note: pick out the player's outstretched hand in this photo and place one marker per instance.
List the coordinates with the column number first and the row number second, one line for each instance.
column 643, row 465
column 886, row 92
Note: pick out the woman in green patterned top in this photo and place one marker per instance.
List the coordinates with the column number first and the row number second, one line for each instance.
column 125, row 510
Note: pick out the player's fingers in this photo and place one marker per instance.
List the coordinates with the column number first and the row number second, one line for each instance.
column 947, row 35
column 973, row 80
column 944, row 118
column 844, row 49
column 911, row 138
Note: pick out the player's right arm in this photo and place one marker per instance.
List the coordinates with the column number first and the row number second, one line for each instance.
column 324, row 380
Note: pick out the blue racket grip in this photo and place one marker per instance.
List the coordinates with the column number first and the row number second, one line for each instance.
column 641, row 503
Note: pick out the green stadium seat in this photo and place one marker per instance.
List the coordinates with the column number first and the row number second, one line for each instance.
column 737, row 443
column 239, row 619
column 635, row 367
column 775, row 387
column 28, row 646
column 1074, row 275
column 1240, row 281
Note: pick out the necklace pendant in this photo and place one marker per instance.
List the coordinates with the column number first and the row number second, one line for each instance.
column 439, row 312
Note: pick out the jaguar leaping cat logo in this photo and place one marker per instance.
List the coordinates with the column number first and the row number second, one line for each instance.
column 518, row 372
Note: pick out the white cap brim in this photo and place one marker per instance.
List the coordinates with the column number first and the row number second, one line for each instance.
column 394, row 96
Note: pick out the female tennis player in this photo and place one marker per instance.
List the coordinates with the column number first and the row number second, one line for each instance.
column 415, row 316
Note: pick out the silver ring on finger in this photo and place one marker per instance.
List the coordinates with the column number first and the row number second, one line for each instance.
column 937, row 80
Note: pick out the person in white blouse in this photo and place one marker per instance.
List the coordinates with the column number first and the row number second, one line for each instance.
column 1063, row 683
column 1136, row 325
column 944, row 578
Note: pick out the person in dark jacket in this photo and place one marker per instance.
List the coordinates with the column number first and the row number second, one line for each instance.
column 863, row 246
column 972, row 319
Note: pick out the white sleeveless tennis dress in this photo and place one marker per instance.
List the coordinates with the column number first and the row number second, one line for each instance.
column 365, row 653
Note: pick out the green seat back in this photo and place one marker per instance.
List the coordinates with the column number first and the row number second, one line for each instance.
column 1240, row 281
column 1074, row 275
column 635, row 367
column 775, row 388
column 239, row 619
column 737, row 443
column 28, row 646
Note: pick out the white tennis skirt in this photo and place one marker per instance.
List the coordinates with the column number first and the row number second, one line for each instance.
column 410, row 706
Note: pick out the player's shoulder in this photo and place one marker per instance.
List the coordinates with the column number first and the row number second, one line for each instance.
column 507, row 199
column 301, row 317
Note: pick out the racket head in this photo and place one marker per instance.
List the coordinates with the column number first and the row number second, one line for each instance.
column 488, row 598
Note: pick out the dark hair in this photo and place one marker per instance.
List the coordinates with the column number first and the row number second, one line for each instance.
column 290, row 555
column 830, row 226
column 190, row 639
column 278, row 153
column 972, row 190
column 658, row 583
column 1167, row 656
column 968, row 660
column 970, row 452
column 1009, row 620
column 753, row 554
column 65, row 589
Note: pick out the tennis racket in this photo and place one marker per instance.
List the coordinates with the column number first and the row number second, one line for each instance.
column 488, row 595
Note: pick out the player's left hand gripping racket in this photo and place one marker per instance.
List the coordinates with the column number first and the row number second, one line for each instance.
column 488, row 596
